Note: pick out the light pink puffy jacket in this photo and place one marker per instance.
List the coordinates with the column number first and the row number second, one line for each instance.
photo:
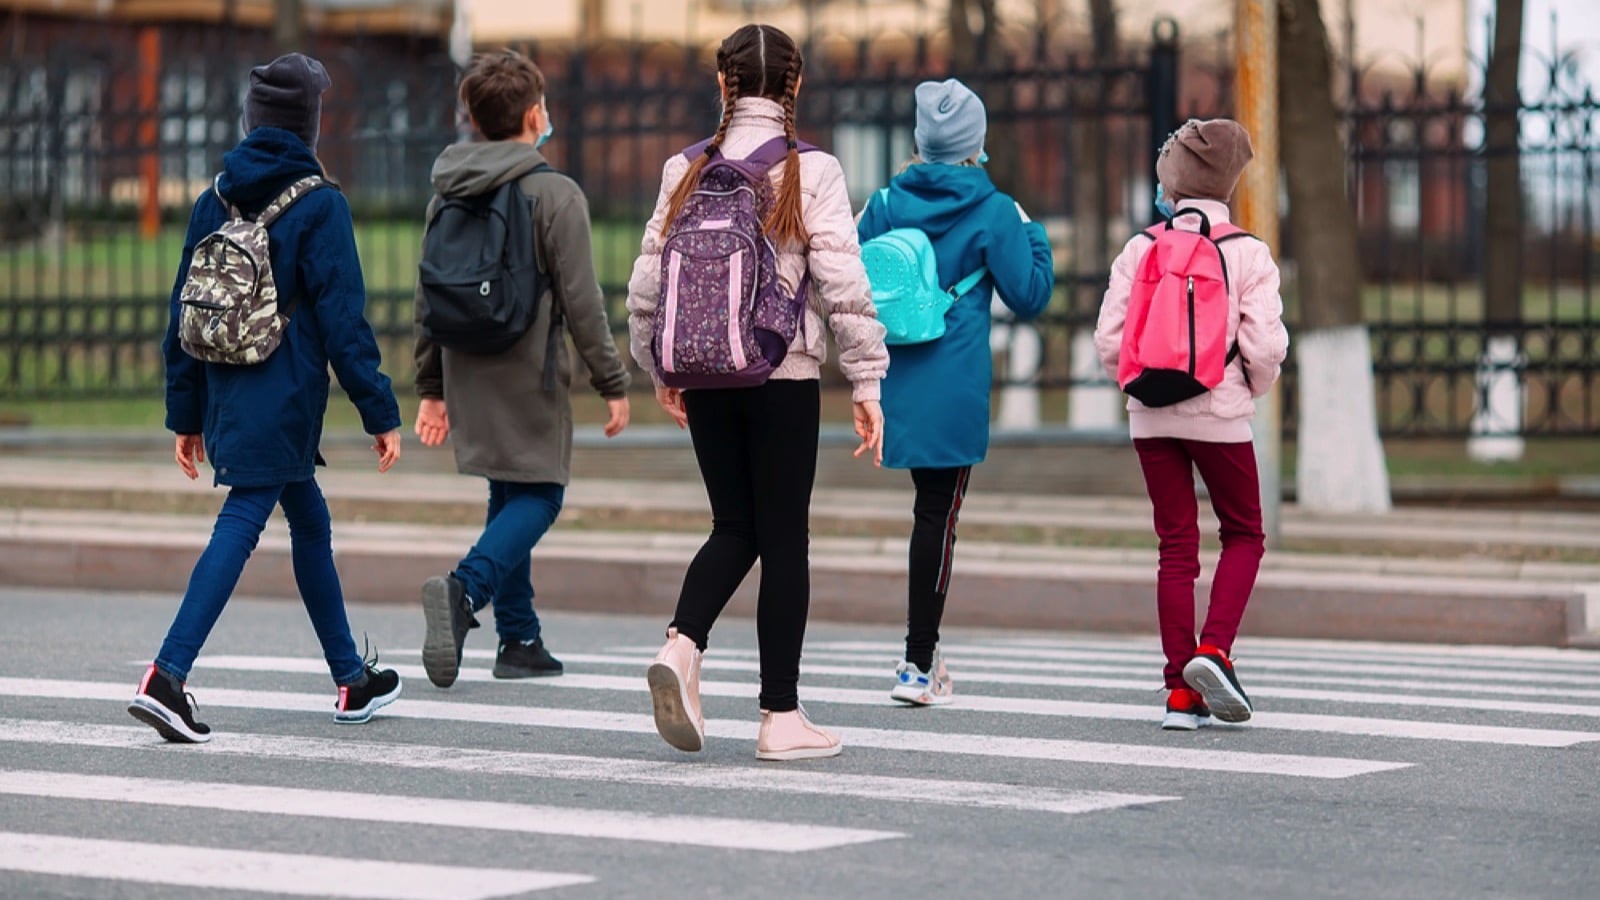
column 1255, row 319
column 839, row 289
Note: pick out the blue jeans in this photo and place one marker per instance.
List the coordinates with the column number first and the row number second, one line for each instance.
column 239, row 524
column 497, row 569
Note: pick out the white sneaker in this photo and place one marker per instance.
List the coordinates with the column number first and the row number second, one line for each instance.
column 919, row 688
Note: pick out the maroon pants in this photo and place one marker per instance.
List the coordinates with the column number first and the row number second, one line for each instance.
column 1229, row 471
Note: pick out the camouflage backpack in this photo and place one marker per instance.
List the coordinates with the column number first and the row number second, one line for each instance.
column 229, row 300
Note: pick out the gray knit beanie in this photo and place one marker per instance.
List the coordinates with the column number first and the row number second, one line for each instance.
column 287, row 93
column 1203, row 160
column 951, row 122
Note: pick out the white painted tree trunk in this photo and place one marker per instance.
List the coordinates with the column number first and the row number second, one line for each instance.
column 1019, row 402
column 1092, row 407
column 1340, row 465
column 1497, row 423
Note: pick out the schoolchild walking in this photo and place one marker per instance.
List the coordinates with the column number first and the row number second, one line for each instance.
column 269, row 294
column 939, row 242
column 1192, row 329
column 752, row 247
column 506, row 274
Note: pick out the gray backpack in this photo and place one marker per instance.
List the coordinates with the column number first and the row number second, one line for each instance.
column 229, row 301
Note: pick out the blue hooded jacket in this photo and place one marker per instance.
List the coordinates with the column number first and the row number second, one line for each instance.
column 936, row 395
column 262, row 423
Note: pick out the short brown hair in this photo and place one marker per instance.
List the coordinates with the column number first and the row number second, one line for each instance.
column 499, row 89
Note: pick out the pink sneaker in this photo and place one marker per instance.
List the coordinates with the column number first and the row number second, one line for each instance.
column 674, row 679
column 790, row 735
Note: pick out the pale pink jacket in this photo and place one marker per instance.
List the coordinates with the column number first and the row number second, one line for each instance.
column 1255, row 319
column 839, row 290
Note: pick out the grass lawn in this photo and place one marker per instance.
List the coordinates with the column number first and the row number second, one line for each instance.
column 1543, row 457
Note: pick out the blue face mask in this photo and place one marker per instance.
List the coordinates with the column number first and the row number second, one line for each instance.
column 1163, row 205
column 983, row 157
column 549, row 128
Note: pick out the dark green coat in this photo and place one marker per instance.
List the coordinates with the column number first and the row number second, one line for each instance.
column 504, row 423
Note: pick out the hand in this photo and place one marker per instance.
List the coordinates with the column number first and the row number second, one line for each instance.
column 387, row 446
column 671, row 400
column 869, row 427
column 433, row 422
column 190, row 449
column 619, row 416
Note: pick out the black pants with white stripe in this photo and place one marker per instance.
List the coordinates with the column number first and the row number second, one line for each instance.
column 933, row 544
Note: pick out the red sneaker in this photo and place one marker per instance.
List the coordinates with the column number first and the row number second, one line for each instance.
column 1186, row 711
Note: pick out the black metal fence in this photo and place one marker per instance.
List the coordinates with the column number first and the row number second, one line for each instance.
column 99, row 131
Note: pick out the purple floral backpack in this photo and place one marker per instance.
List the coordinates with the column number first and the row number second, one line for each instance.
column 724, row 320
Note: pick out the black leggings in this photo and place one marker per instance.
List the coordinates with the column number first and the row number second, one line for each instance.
column 933, row 544
column 757, row 449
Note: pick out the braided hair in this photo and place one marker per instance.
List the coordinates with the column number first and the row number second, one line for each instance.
column 756, row 61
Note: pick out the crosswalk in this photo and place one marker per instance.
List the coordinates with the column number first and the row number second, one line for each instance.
column 1084, row 711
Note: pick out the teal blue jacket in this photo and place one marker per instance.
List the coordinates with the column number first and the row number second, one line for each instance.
column 936, row 395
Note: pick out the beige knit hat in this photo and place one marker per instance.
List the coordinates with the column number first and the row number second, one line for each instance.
column 1203, row 160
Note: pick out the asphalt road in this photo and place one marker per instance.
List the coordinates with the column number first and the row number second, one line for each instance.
column 1369, row 771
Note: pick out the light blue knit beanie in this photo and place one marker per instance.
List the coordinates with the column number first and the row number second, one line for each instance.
column 951, row 122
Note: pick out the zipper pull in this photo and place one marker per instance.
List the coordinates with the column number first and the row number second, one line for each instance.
column 1191, row 287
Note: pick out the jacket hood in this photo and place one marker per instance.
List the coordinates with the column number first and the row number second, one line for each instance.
column 268, row 160
column 464, row 170
column 936, row 197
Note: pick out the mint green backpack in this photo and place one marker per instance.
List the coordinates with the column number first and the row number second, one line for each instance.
column 905, row 284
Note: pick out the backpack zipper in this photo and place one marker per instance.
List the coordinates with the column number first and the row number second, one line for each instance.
column 1193, row 351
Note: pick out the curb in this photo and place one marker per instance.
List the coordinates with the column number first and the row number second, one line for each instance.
column 636, row 573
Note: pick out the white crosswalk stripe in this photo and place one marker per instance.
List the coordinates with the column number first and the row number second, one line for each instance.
column 979, row 673
column 1358, row 710
column 734, row 834
column 902, row 740
column 927, row 791
column 1441, row 731
column 255, row 871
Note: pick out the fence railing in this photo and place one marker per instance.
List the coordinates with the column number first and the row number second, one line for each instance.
column 108, row 131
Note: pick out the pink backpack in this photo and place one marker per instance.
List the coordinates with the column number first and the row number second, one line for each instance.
column 1175, row 342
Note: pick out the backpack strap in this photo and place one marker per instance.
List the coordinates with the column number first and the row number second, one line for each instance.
column 216, row 188
column 287, row 199
column 766, row 156
column 965, row 285
column 1205, row 221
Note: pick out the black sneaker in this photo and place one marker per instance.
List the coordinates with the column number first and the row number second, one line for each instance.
column 357, row 702
column 162, row 704
column 519, row 660
column 444, row 607
column 1211, row 673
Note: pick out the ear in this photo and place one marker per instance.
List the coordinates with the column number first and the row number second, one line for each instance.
column 534, row 120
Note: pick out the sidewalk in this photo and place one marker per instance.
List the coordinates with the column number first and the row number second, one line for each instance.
column 1073, row 563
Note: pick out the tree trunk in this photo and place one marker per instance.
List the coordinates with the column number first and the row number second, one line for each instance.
column 1497, row 425
column 1098, row 407
column 1341, row 464
column 289, row 26
column 1502, row 258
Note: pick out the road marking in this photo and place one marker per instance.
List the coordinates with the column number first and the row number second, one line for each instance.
column 1366, row 698
column 1374, row 727
column 1555, row 658
column 1467, row 679
column 941, row 792
column 872, row 649
column 900, row 741
column 606, row 824
column 278, row 873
